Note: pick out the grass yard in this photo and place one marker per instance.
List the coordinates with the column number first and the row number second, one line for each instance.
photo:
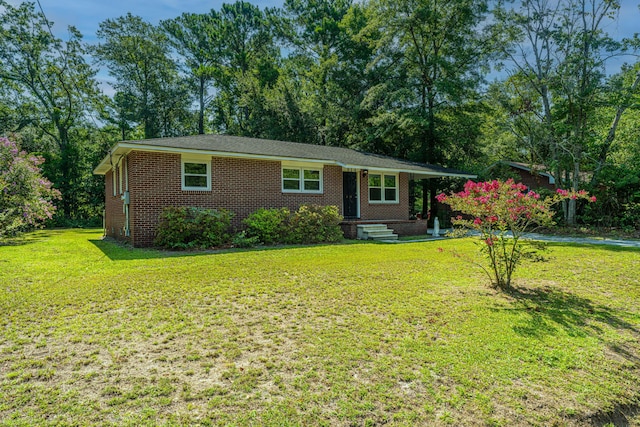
column 353, row 334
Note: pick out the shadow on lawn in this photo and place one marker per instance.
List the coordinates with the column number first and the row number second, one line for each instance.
column 29, row 238
column 549, row 309
column 117, row 251
column 38, row 236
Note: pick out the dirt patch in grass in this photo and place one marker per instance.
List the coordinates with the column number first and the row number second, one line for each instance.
column 624, row 414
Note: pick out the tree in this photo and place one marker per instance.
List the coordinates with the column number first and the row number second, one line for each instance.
column 51, row 87
column 198, row 39
column 137, row 54
column 502, row 213
column 625, row 88
column 439, row 55
column 318, row 33
column 14, row 115
column 249, row 63
column 559, row 50
column 120, row 111
column 614, row 155
column 25, row 196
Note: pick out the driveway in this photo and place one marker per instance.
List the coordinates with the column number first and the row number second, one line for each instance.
column 583, row 240
column 560, row 239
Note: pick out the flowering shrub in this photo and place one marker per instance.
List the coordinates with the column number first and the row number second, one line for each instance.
column 25, row 196
column 501, row 213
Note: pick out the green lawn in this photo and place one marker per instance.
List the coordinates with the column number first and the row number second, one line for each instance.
column 350, row 334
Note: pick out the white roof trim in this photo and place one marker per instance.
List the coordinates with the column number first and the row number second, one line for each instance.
column 552, row 180
column 411, row 171
column 123, row 148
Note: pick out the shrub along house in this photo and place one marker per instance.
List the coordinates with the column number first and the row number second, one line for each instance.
column 245, row 174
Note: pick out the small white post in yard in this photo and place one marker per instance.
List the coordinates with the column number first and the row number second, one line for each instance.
column 436, row 227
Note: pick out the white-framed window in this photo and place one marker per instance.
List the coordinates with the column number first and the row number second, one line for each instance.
column 125, row 173
column 383, row 188
column 114, row 181
column 120, row 173
column 301, row 179
column 196, row 174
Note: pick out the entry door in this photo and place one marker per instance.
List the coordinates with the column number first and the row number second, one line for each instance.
column 350, row 194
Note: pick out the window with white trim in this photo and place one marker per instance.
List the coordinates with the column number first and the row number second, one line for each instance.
column 120, row 173
column 196, row 174
column 125, row 173
column 114, row 181
column 383, row 188
column 301, row 179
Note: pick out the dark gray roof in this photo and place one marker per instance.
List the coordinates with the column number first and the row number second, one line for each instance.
column 265, row 148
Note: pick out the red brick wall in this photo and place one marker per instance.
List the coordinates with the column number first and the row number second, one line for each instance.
column 533, row 181
column 239, row 185
column 398, row 210
column 400, row 227
column 409, row 228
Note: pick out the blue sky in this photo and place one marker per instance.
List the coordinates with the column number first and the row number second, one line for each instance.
column 86, row 15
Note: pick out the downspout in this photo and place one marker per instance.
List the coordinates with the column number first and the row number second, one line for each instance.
column 127, row 231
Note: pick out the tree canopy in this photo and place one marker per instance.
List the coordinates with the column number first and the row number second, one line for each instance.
column 460, row 83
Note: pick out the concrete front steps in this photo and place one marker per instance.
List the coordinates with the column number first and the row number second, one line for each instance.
column 375, row 232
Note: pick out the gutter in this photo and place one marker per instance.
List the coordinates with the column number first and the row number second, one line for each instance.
column 124, row 148
column 127, row 148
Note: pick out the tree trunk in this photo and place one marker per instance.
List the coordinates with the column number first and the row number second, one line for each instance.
column 66, row 162
column 575, row 184
column 429, row 201
column 425, row 197
column 429, row 186
column 201, row 112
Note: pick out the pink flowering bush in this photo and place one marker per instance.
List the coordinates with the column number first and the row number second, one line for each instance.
column 501, row 213
column 25, row 196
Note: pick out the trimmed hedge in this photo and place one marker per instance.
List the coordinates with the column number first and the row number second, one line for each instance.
column 190, row 227
column 315, row 224
column 269, row 226
column 309, row 224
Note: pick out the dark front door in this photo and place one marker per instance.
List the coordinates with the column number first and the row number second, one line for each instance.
column 350, row 194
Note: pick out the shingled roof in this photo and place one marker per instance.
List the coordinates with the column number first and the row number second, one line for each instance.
column 235, row 146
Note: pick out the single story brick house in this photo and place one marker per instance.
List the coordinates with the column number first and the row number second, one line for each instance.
column 244, row 174
column 533, row 176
